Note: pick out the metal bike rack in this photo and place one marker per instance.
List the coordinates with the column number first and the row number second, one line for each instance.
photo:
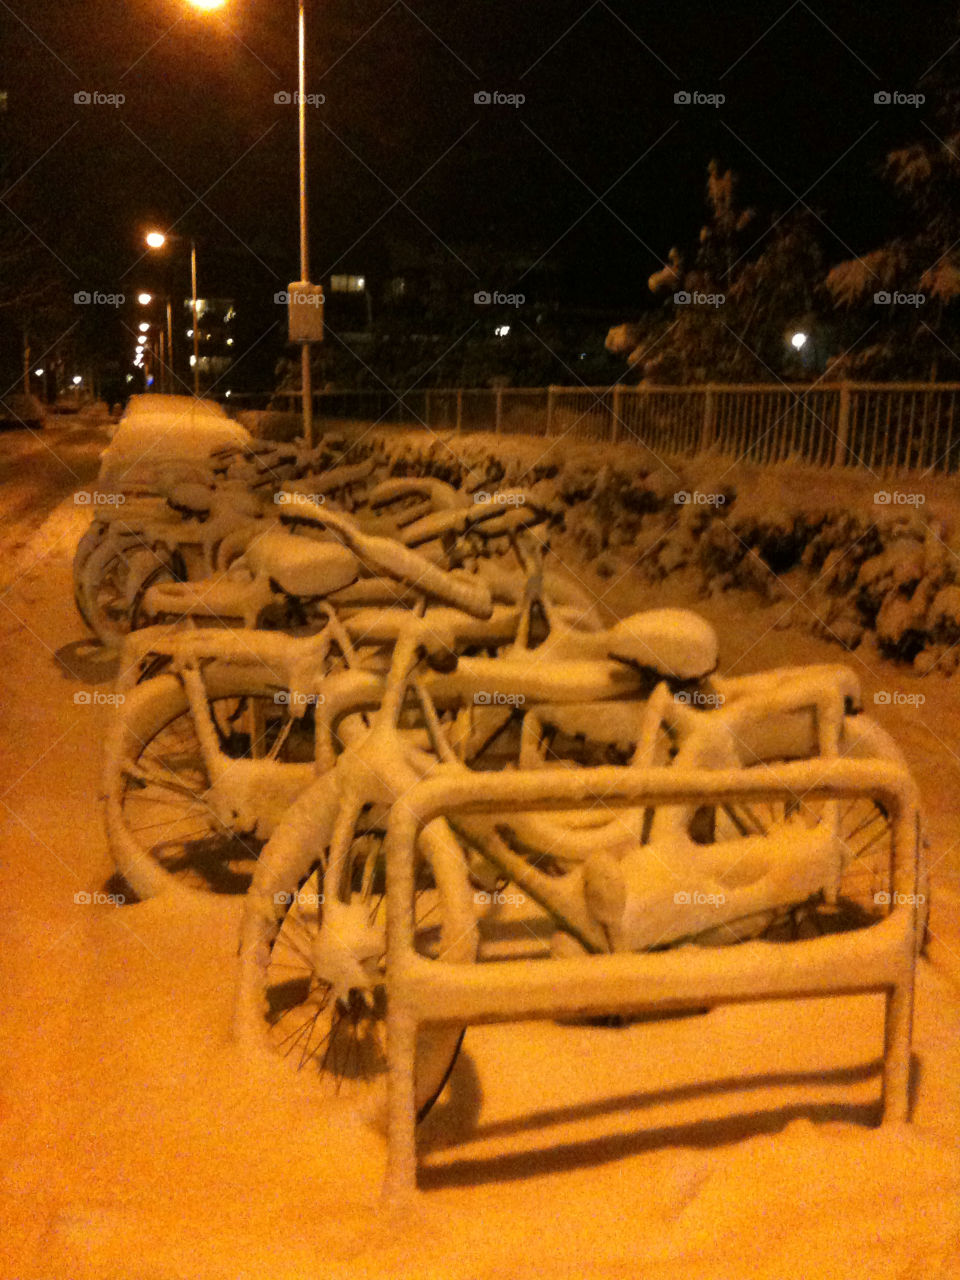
column 422, row 991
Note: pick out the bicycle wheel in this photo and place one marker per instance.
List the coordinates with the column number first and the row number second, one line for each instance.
column 861, row 892
column 111, row 580
column 172, row 827
column 315, row 963
column 88, row 544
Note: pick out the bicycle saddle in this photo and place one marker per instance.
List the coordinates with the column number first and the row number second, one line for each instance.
column 301, row 566
column 676, row 643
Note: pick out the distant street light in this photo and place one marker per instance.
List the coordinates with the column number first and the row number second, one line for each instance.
column 77, row 380
column 156, row 240
column 144, row 299
column 143, row 326
column 799, row 340
column 38, row 373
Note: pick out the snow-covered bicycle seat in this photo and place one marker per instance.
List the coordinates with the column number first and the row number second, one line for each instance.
column 301, row 566
column 675, row 643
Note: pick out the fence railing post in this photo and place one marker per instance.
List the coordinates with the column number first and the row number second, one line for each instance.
column 708, row 430
column 459, row 409
column 843, row 426
column 616, row 412
column 550, row 411
column 498, row 411
column 426, row 408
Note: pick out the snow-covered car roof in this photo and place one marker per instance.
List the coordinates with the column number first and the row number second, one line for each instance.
column 164, row 435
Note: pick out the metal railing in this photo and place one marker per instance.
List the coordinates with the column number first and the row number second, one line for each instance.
column 887, row 428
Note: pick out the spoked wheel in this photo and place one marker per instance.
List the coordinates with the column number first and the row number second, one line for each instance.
column 862, row 890
column 86, row 547
column 168, row 826
column 324, row 981
column 111, row 581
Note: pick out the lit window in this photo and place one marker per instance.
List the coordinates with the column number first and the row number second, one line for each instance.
column 348, row 284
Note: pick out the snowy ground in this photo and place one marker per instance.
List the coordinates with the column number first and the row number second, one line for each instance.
column 136, row 1146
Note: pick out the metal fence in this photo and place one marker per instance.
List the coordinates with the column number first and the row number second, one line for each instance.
column 885, row 427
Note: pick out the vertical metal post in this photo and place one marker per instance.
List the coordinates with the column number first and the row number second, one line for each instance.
column 170, row 342
column 843, row 426
column 549, row 430
column 306, row 383
column 616, row 419
column 708, row 429
column 196, row 319
column 498, row 416
column 26, row 363
column 459, row 409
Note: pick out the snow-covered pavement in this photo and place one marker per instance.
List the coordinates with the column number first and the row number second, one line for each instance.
column 136, row 1144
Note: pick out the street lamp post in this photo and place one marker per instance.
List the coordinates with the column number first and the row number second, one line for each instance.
column 156, row 240
column 305, row 374
column 305, row 371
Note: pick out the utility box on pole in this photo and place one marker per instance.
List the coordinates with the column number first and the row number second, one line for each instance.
column 305, row 311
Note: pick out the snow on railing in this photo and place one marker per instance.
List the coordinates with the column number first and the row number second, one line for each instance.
column 887, row 428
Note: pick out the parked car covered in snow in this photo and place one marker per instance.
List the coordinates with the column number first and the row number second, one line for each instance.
column 166, row 437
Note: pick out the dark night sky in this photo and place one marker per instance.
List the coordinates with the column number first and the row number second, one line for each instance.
column 199, row 140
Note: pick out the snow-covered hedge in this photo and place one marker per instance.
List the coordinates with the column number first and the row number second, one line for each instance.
column 851, row 574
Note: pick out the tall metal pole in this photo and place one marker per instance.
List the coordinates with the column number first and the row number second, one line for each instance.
column 196, row 320
column 305, row 378
column 170, row 374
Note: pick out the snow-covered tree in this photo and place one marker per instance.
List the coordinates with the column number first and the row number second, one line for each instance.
column 911, row 282
column 727, row 307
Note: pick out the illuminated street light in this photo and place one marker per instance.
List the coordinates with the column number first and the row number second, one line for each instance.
column 144, row 326
column 144, row 299
column 156, row 240
column 38, row 373
column 798, row 340
column 77, row 380
column 206, row 5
